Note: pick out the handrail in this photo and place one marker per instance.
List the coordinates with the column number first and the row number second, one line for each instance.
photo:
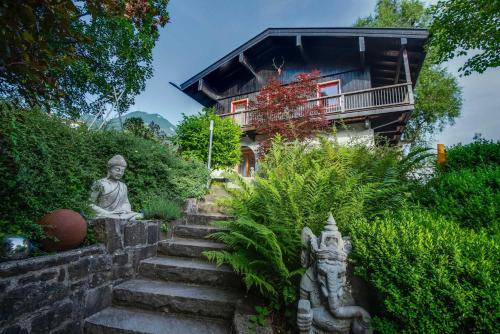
column 392, row 95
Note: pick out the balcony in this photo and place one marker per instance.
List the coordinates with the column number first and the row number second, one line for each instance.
column 345, row 105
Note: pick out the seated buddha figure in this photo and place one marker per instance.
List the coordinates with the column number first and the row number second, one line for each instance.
column 109, row 195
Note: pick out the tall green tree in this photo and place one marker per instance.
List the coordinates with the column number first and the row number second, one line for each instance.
column 438, row 97
column 192, row 136
column 75, row 56
column 460, row 26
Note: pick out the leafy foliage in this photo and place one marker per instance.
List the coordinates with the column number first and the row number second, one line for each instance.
column 297, row 185
column 438, row 101
column 479, row 153
column 193, row 137
column 161, row 208
column 467, row 188
column 276, row 107
column 461, row 26
column 61, row 55
column 136, row 126
column 438, row 98
column 469, row 197
column 46, row 165
column 431, row 275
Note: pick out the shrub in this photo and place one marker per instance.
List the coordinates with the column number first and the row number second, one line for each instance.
column 46, row 165
column 430, row 275
column 161, row 208
column 479, row 153
column 470, row 197
column 297, row 185
column 192, row 136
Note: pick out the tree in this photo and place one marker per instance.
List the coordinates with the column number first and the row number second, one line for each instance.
column 192, row 136
column 438, row 97
column 459, row 26
column 283, row 109
column 73, row 56
column 136, row 126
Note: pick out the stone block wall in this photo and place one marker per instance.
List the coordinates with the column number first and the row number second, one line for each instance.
column 55, row 293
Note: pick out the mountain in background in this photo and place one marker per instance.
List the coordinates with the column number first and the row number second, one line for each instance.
column 164, row 124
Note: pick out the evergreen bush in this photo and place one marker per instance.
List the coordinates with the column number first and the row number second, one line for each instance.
column 45, row 165
column 430, row 275
column 479, row 153
column 192, row 136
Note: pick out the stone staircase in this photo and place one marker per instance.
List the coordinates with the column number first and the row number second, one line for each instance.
column 177, row 291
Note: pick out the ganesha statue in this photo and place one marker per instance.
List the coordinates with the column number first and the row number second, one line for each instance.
column 326, row 305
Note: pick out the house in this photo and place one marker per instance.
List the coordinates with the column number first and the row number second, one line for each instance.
column 367, row 78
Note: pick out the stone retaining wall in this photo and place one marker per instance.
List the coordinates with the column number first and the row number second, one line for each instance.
column 55, row 293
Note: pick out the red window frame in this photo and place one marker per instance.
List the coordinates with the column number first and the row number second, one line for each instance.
column 328, row 84
column 239, row 102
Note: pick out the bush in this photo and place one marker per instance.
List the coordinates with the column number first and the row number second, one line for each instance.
column 192, row 136
column 46, row 165
column 479, row 153
column 430, row 275
column 470, row 197
column 297, row 185
column 161, row 208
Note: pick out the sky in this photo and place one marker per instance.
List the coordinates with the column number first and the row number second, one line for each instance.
column 201, row 32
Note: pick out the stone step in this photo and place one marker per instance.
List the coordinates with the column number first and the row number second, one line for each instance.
column 187, row 247
column 195, row 231
column 210, row 208
column 174, row 297
column 204, row 218
column 118, row 320
column 189, row 270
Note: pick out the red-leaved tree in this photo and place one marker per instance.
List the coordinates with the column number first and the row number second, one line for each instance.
column 284, row 109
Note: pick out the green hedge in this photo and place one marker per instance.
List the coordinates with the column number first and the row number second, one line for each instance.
column 431, row 276
column 471, row 197
column 479, row 153
column 45, row 164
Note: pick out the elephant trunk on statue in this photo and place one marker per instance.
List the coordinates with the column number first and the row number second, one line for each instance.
column 335, row 292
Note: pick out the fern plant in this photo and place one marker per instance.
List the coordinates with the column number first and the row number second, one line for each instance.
column 297, row 185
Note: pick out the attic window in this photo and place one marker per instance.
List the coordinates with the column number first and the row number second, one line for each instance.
column 238, row 107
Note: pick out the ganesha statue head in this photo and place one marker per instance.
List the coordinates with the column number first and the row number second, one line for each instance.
column 326, row 304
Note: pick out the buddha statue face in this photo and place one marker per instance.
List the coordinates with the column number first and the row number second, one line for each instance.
column 116, row 167
column 116, row 172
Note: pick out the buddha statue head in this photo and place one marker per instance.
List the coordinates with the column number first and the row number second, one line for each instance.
column 116, row 167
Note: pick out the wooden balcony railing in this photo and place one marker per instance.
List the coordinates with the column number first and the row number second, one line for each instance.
column 373, row 98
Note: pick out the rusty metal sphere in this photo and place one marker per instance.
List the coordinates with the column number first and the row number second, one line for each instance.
column 65, row 229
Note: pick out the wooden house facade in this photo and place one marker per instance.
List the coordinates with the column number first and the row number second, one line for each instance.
column 367, row 77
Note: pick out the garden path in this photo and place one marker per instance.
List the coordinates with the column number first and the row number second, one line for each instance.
column 177, row 291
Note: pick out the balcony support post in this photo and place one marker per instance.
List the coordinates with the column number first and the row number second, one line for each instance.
column 408, row 77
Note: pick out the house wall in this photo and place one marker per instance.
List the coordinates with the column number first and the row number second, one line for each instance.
column 351, row 76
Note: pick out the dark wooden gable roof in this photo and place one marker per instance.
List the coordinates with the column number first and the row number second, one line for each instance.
column 380, row 48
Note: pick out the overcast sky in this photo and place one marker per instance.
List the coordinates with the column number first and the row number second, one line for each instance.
column 203, row 31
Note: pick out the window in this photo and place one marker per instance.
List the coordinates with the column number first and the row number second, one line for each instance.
column 238, row 108
column 329, row 88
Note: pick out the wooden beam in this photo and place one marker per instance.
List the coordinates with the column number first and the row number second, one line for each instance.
column 298, row 41
column 404, row 42
column 203, row 87
column 245, row 62
column 362, row 51
column 407, row 66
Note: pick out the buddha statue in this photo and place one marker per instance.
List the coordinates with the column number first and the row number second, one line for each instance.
column 109, row 195
column 326, row 305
